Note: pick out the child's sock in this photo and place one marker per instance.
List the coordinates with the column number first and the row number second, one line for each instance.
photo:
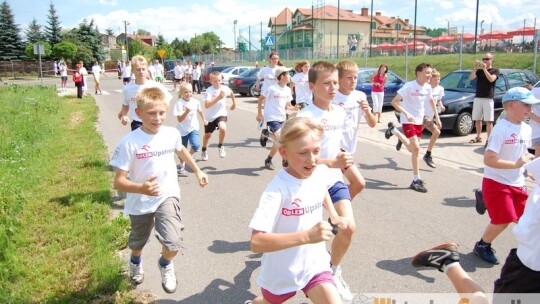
column 428, row 153
column 163, row 262
column 136, row 259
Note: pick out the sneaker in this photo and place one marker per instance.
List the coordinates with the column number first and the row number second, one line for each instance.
column 136, row 273
column 204, row 155
column 388, row 132
column 486, row 253
column 429, row 161
column 342, row 286
column 480, row 205
column 268, row 164
column 168, row 278
column 222, row 153
column 398, row 145
column 181, row 169
column 418, row 185
column 264, row 137
column 437, row 257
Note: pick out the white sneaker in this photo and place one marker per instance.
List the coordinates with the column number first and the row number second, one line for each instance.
column 204, row 155
column 222, row 153
column 342, row 286
column 168, row 278
column 136, row 273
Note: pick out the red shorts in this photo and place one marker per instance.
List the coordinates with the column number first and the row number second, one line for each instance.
column 411, row 130
column 323, row 277
column 505, row 204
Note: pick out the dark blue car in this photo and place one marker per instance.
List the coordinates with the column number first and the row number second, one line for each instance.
column 393, row 84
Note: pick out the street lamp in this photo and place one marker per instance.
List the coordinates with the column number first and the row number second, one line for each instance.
column 476, row 26
column 371, row 29
column 448, row 27
column 235, row 46
column 126, row 42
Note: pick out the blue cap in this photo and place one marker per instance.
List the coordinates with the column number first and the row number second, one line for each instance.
column 520, row 94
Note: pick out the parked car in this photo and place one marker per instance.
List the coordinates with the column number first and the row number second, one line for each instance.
column 232, row 72
column 459, row 94
column 244, row 84
column 536, row 90
column 209, row 69
column 393, row 84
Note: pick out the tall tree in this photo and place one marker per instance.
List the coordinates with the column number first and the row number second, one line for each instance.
column 88, row 41
column 33, row 32
column 53, row 30
column 11, row 46
column 109, row 32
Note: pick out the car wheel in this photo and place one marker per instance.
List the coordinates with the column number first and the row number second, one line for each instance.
column 243, row 94
column 252, row 91
column 464, row 124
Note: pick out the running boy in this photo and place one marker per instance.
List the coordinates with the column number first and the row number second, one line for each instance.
column 356, row 106
column 503, row 186
column 275, row 100
column 185, row 110
column 153, row 191
column 437, row 92
column 287, row 225
column 324, row 83
column 215, row 104
column 410, row 101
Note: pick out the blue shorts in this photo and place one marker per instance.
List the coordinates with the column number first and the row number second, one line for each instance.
column 274, row 126
column 339, row 191
column 193, row 139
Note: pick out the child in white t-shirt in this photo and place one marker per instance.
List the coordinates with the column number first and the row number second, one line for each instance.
column 287, row 225
column 437, row 93
column 185, row 110
column 153, row 193
column 300, row 84
column 215, row 104
column 275, row 100
column 356, row 106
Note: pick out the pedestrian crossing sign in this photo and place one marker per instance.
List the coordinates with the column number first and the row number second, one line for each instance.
column 269, row 41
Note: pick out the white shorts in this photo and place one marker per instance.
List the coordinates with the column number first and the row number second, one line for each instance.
column 378, row 99
column 483, row 108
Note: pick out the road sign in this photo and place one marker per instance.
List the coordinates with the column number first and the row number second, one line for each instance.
column 269, row 41
column 39, row 49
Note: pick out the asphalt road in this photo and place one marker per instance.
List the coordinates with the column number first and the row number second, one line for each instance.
column 393, row 221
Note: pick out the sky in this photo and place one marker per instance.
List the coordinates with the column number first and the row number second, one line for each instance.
column 184, row 19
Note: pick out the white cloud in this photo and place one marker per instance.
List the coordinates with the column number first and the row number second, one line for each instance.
column 109, row 2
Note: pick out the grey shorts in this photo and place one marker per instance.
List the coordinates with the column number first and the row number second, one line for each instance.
column 483, row 108
column 168, row 223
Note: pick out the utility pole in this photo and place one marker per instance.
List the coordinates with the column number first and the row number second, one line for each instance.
column 235, row 44
column 126, row 42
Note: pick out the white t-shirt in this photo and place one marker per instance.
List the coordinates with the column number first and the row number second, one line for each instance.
column 535, row 125
column 351, row 104
column 96, row 71
column 178, row 72
column 301, row 88
column 437, row 93
column 510, row 142
column 159, row 70
column 126, row 72
column 196, row 73
column 191, row 122
column 290, row 205
column 527, row 230
column 130, row 91
column 268, row 75
column 63, row 70
column 219, row 108
column 145, row 155
column 333, row 123
column 414, row 98
column 276, row 99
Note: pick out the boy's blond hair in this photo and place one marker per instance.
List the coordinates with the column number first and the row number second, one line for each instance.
column 183, row 88
column 435, row 73
column 215, row 75
column 151, row 96
column 319, row 68
column 297, row 127
column 346, row 66
column 138, row 59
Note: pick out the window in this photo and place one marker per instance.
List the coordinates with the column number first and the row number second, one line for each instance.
column 517, row 79
column 300, row 37
column 391, row 78
column 373, row 25
column 397, row 27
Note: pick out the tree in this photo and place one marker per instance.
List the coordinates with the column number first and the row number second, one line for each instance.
column 29, row 50
column 436, row 32
column 176, row 51
column 142, row 32
column 88, row 41
column 65, row 49
column 109, row 32
column 33, row 32
column 11, row 46
column 53, row 31
column 136, row 47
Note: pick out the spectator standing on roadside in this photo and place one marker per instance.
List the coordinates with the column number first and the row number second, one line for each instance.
column 378, row 81
column 63, row 75
column 196, row 78
column 504, row 191
column 483, row 104
column 84, row 73
column 410, row 101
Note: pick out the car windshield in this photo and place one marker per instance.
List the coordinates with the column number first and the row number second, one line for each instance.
column 250, row 73
column 227, row 70
column 459, row 81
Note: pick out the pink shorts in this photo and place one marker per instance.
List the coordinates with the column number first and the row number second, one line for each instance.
column 411, row 130
column 323, row 277
column 505, row 204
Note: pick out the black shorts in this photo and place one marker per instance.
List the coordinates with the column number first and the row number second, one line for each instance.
column 516, row 278
column 178, row 79
column 214, row 125
column 127, row 79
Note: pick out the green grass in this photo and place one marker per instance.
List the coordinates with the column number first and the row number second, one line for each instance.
column 57, row 240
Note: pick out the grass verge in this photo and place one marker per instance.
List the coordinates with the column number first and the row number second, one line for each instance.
column 57, row 240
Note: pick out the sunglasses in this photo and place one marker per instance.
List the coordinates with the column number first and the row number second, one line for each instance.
column 486, row 58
